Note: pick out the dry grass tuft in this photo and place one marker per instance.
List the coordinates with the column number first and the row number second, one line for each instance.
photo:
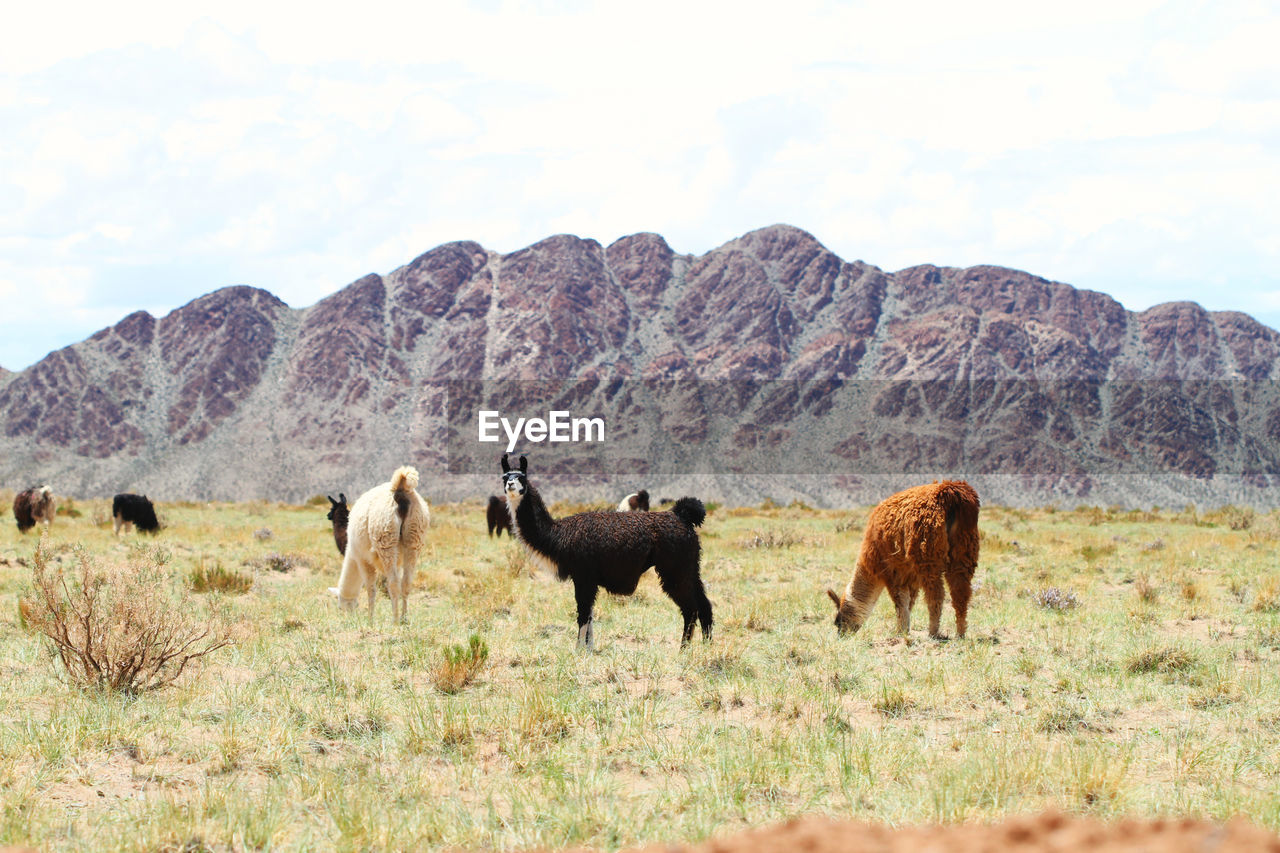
column 218, row 579
column 1267, row 599
column 1161, row 659
column 118, row 629
column 460, row 665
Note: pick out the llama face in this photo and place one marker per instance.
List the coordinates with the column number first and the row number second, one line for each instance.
column 514, row 485
column 848, row 620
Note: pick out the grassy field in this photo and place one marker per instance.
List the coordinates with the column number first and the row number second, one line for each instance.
column 1117, row 663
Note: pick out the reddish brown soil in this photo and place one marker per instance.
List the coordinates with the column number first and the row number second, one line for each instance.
column 1049, row 833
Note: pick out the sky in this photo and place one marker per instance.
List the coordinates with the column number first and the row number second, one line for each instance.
column 150, row 153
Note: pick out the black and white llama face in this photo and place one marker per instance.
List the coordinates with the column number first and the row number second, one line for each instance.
column 514, row 483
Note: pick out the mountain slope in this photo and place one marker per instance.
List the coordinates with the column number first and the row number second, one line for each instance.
column 927, row 371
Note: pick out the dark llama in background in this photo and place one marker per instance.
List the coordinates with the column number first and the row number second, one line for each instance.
column 32, row 506
column 137, row 510
column 339, row 514
column 613, row 549
column 914, row 540
column 497, row 517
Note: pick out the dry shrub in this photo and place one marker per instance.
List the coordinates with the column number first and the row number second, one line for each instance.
column 460, row 665
column 118, row 628
column 276, row 562
column 1148, row 592
column 1054, row 598
column 772, row 539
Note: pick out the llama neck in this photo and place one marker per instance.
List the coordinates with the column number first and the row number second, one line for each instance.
column 534, row 524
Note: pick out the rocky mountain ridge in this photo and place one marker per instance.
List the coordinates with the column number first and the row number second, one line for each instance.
column 236, row 395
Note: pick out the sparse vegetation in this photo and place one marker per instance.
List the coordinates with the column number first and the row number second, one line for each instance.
column 217, row 579
column 118, row 628
column 460, row 665
column 1160, row 703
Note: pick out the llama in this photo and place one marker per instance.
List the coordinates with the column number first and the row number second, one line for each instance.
column 635, row 502
column 32, row 506
column 386, row 530
column 134, row 510
column 612, row 550
column 340, row 515
column 497, row 517
column 915, row 539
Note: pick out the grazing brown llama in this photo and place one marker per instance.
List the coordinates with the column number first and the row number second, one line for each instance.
column 613, row 549
column 32, row 506
column 497, row 517
column 635, row 502
column 340, row 515
column 914, row 540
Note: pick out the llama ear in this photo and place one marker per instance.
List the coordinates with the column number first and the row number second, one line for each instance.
column 834, row 597
column 506, row 466
column 342, row 496
column 331, row 500
column 524, row 465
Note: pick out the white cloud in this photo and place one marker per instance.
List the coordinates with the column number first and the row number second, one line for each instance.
column 1126, row 146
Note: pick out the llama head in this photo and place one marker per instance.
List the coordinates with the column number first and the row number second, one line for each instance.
column 514, row 483
column 338, row 509
column 848, row 616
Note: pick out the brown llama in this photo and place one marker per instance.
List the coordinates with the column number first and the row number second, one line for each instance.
column 497, row 516
column 340, row 515
column 32, row 506
column 914, row 540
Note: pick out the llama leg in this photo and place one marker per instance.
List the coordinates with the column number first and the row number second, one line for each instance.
column 349, row 583
column 683, row 585
column 116, row 525
column 960, row 581
column 933, row 599
column 704, row 613
column 585, row 594
column 406, row 582
column 902, row 599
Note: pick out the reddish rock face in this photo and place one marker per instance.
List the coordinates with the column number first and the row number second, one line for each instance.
column 361, row 374
column 216, row 347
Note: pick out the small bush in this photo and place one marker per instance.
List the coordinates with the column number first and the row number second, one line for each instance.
column 218, row 579
column 1267, row 599
column 460, row 665
column 1093, row 553
column 1147, row 591
column 893, row 703
column 1053, row 598
column 772, row 539
column 1160, row 659
column 262, row 534
column 119, row 628
column 67, row 509
column 277, row 562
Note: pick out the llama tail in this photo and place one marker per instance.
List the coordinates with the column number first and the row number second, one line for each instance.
column 405, row 479
column 690, row 511
column 960, row 502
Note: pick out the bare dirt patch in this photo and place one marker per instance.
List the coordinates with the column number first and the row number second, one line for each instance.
column 1048, row 833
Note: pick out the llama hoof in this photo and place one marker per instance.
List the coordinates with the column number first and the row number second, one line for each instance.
column 940, row 638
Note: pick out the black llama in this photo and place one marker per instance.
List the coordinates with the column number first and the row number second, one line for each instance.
column 613, row 549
